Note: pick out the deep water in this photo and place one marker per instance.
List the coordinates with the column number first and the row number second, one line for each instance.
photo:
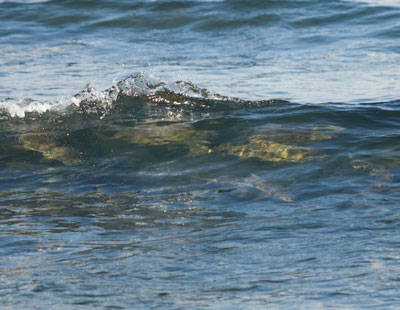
column 223, row 154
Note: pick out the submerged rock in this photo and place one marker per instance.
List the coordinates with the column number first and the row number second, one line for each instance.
column 279, row 145
column 263, row 149
column 48, row 148
column 382, row 177
column 156, row 134
column 271, row 145
column 380, row 172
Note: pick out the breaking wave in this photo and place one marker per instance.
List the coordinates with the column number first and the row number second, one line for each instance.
column 148, row 87
column 91, row 99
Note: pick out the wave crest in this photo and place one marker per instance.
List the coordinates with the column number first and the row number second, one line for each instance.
column 91, row 99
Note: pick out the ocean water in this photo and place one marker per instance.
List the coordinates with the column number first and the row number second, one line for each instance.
column 199, row 154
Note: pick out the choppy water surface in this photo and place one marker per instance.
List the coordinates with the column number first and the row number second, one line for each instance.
column 150, row 191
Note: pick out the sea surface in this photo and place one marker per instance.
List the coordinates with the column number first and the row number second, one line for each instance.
column 176, row 154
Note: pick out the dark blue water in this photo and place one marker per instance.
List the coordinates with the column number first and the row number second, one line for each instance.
column 199, row 154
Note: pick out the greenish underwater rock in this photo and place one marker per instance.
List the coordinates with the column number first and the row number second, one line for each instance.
column 48, row 148
column 167, row 134
column 261, row 148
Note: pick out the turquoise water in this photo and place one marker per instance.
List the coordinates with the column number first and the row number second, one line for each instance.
column 223, row 155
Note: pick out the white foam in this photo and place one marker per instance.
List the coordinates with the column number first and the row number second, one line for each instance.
column 18, row 107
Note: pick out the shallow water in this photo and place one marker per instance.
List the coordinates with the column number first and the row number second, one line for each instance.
column 149, row 191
